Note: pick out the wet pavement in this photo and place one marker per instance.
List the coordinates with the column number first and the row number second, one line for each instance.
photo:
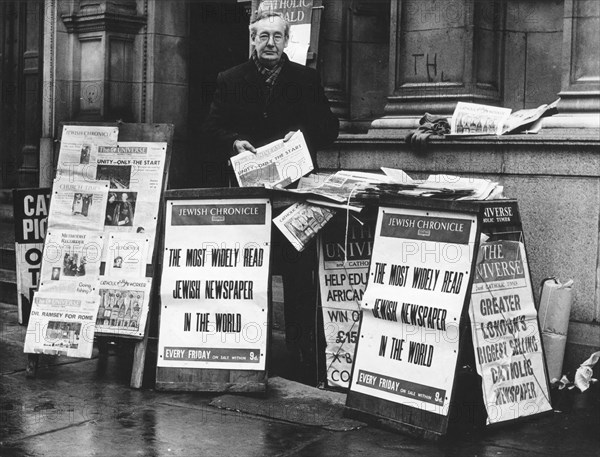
column 80, row 408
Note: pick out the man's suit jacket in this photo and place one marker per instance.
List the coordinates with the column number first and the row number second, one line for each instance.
column 241, row 108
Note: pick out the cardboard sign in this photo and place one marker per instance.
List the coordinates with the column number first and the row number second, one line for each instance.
column 418, row 282
column 343, row 272
column 214, row 289
column 30, row 213
column 506, row 336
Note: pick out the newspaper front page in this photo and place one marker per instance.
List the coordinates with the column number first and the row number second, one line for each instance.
column 77, row 159
column 124, row 304
column 301, row 222
column 279, row 163
column 62, row 324
column 80, row 205
column 71, row 261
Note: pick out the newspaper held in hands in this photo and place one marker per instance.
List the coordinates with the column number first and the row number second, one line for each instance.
column 301, row 222
column 279, row 163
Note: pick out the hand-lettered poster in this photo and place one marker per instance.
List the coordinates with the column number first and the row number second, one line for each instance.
column 418, row 279
column 214, row 288
column 30, row 209
column 506, row 336
column 344, row 258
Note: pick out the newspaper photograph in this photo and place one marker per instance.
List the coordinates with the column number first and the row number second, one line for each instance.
column 279, row 163
column 124, row 304
column 476, row 119
column 79, row 150
column 301, row 222
column 71, row 261
column 135, row 173
column 62, row 324
column 79, row 205
column 126, row 255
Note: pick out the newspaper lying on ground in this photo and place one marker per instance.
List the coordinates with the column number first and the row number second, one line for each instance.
column 301, row 222
column 279, row 163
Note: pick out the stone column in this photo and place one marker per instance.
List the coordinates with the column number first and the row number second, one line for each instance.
column 580, row 89
column 101, row 52
column 333, row 58
column 441, row 53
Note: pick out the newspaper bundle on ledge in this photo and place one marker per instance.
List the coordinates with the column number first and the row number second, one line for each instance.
column 279, row 163
column 471, row 119
column 301, row 222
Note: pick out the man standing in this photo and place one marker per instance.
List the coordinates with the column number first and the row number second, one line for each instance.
column 268, row 97
column 262, row 100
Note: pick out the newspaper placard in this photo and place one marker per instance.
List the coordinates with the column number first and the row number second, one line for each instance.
column 279, row 163
column 71, row 261
column 418, row 279
column 30, row 209
column 124, row 305
column 301, row 222
column 80, row 205
column 506, row 337
column 126, row 255
column 79, row 151
column 214, row 302
column 343, row 272
column 299, row 16
column 135, row 172
column 475, row 119
column 62, row 324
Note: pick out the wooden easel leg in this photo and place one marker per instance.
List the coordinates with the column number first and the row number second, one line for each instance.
column 139, row 360
column 32, row 365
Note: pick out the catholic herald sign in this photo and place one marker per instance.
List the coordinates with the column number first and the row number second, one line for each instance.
column 214, row 288
column 418, row 280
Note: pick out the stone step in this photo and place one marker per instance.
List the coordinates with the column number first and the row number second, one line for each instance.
column 8, row 286
column 7, row 258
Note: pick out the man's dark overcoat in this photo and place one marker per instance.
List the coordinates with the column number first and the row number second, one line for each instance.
column 243, row 108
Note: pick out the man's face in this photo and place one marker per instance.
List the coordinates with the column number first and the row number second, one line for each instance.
column 270, row 40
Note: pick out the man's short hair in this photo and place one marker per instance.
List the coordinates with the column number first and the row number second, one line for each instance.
column 268, row 14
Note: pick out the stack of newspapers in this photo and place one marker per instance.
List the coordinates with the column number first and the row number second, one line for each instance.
column 323, row 195
column 353, row 190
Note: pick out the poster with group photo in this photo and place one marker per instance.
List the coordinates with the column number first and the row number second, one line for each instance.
column 79, row 205
column 124, row 304
column 344, row 259
column 506, row 336
column 78, row 152
column 71, row 261
column 62, row 324
column 418, row 279
column 214, row 286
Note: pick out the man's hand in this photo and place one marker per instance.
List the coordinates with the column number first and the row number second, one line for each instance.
column 240, row 146
column 288, row 136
